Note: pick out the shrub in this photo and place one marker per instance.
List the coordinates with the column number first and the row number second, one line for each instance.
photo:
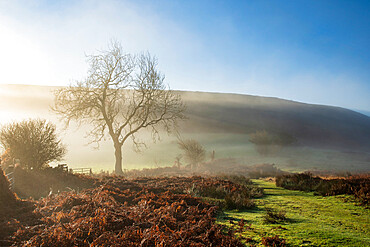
column 238, row 201
column 238, row 179
column 275, row 241
column 256, row 191
column 359, row 186
column 273, row 216
column 213, row 191
column 236, row 196
column 300, row 181
column 34, row 142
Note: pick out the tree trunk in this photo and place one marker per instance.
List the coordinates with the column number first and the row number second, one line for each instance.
column 118, row 155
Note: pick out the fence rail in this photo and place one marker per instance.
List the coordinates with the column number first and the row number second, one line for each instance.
column 11, row 179
column 85, row 171
column 63, row 167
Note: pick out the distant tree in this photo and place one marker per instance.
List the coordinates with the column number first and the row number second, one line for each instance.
column 121, row 95
column 262, row 141
column 34, row 142
column 194, row 153
column 284, row 139
column 267, row 143
column 212, row 155
column 178, row 160
column 261, row 138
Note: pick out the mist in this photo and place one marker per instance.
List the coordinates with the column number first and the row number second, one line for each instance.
column 221, row 123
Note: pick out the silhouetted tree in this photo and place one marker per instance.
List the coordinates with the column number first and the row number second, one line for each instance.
column 267, row 143
column 33, row 142
column 194, row 153
column 178, row 160
column 121, row 95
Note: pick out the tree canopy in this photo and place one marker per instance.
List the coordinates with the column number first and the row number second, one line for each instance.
column 34, row 142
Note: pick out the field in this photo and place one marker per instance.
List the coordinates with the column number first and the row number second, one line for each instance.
column 311, row 220
column 179, row 211
column 120, row 212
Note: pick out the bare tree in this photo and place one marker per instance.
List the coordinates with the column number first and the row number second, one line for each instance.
column 34, row 142
column 121, row 95
column 178, row 160
column 194, row 152
column 267, row 143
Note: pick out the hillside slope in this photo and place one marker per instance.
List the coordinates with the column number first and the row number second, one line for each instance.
column 327, row 137
column 316, row 125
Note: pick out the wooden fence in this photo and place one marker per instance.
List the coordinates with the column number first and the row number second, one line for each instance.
column 85, row 171
column 9, row 173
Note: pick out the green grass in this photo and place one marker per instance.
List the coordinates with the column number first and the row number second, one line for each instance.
column 312, row 220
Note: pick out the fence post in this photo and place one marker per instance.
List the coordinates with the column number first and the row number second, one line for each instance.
column 10, row 175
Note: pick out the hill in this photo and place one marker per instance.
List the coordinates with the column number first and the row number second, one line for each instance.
column 327, row 137
column 312, row 125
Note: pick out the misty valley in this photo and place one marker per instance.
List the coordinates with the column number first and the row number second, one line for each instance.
column 239, row 171
column 190, row 123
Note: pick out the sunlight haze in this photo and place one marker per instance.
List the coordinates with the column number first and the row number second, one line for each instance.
column 184, row 123
column 316, row 54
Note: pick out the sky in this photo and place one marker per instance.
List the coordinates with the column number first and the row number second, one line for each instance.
column 308, row 51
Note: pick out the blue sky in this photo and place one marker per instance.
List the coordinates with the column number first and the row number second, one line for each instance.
column 309, row 51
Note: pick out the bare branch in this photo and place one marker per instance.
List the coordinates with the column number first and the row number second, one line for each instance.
column 121, row 95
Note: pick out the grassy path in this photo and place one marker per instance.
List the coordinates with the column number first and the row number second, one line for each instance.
column 312, row 220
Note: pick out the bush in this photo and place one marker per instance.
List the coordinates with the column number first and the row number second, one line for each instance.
column 275, row 241
column 238, row 179
column 213, row 191
column 359, row 186
column 272, row 216
column 301, row 181
column 236, row 196
column 238, row 201
column 252, row 191
column 33, row 142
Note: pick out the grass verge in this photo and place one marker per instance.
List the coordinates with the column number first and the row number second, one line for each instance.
column 311, row 220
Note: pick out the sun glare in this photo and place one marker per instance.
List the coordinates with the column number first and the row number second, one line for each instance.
column 22, row 58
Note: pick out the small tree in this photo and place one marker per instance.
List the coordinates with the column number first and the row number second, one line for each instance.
column 178, row 161
column 121, row 95
column 194, row 153
column 33, row 142
column 267, row 143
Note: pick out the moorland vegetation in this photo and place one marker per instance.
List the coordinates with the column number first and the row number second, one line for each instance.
column 143, row 211
column 358, row 186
